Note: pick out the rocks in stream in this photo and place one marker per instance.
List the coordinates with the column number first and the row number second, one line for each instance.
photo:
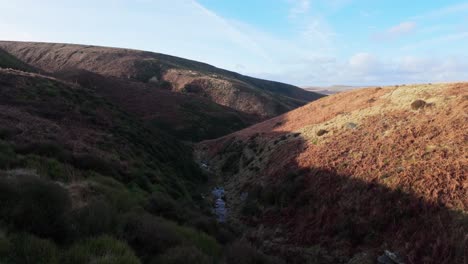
column 219, row 209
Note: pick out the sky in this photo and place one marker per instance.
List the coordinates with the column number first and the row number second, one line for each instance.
column 302, row 42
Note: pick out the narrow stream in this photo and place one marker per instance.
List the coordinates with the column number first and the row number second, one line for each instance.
column 219, row 209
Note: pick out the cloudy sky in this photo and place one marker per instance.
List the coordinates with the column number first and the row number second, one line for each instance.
column 303, row 42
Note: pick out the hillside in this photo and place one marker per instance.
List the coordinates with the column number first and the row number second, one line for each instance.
column 252, row 96
column 82, row 181
column 353, row 174
column 183, row 116
column 9, row 61
column 329, row 90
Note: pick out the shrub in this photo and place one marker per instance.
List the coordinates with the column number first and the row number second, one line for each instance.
column 95, row 163
column 7, row 155
column 116, row 194
column 418, row 104
column 28, row 249
column 46, row 167
column 149, row 235
column 35, row 205
column 48, row 149
column 202, row 241
column 182, row 255
column 8, row 133
column 243, row 253
column 321, row 132
column 165, row 85
column 96, row 218
column 101, row 250
column 161, row 204
column 251, row 208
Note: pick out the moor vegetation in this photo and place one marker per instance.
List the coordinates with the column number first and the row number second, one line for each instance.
column 351, row 176
column 81, row 181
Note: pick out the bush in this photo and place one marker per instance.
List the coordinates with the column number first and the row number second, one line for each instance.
column 48, row 149
column 35, row 205
column 418, row 104
column 117, row 195
column 202, row 241
column 149, row 235
column 101, row 250
column 7, row 155
column 161, row 204
column 95, row 163
column 27, row 249
column 242, row 253
column 322, row 132
column 96, row 218
column 46, row 167
column 182, row 255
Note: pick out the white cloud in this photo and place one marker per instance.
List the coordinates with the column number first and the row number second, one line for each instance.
column 396, row 31
column 445, row 11
column 444, row 39
column 402, row 28
column 299, row 7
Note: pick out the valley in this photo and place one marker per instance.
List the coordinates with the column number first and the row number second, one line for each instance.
column 114, row 155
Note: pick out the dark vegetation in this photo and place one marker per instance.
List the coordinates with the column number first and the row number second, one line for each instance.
column 246, row 95
column 9, row 61
column 357, row 220
column 81, row 181
column 185, row 117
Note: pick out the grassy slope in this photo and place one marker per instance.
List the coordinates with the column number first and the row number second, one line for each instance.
column 361, row 171
column 185, row 117
column 94, row 168
column 9, row 61
column 254, row 96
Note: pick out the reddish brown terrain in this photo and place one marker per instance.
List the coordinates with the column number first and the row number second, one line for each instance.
column 184, row 116
column 264, row 99
column 354, row 174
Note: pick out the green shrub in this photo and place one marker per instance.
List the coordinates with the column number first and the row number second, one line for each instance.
column 34, row 205
column 183, row 255
column 418, row 104
column 101, row 250
column 201, row 240
column 162, row 205
column 95, row 163
column 149, row 235
column 41, row 207
column 243, row 253
column 46, row 167
column 7, row 155
column 117, row 195
column 47, row 149
column 28, row 249
column 251, row 208
column 96, row 218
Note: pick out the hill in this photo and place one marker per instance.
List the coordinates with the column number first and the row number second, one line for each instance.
column 82, row 181
column 183, row 116
column 329, row 90
column 252, row 96
column 9, row 61
column 354, row 174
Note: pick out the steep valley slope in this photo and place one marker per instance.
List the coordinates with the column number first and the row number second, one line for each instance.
column 349, row 176
column 86, row 176
column 261, row 98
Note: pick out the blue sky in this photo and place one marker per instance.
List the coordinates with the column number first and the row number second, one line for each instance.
column 303, row 42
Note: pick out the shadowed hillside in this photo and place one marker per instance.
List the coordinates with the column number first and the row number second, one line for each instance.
column 183, row 116
column 253, row 96
column 351, row 175
column 9, row 61
column 82, row 181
